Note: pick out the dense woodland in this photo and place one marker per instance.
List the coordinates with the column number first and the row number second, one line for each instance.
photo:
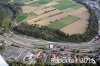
column 5, row 14
column 8, row 11
column 44, row 64
column 56, row 35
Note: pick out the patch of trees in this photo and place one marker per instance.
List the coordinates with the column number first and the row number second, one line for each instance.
column 4, row 15
column 8, row 11
column 15, row 8
column 40, row 32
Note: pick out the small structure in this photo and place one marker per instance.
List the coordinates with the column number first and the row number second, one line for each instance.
column 51, row 46
column 3, row 62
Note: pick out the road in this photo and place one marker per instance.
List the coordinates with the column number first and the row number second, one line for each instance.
column 26, row 42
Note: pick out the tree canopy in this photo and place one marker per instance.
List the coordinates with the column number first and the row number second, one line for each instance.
column 8, row 12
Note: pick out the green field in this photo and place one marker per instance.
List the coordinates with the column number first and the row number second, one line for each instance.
column 63, row 22
column 21, row 16
column 64, row 4
column 30, row 16
column 39, row 3
column 22, row 1
column 44, row 1
column 35, row 4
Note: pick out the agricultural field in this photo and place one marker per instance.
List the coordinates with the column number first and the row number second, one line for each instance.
column 56, row 14
column 21, row 1
column 21, row 16
column 63, row 22
column 65, row 4
column 39, row 3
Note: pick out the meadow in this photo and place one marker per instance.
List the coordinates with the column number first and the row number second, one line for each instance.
column 65, row 4
column 21, row 1
column 39, row 3
column 21, row 16
column 63, row 22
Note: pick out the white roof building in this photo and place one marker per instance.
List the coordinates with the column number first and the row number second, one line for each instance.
column 3, row 62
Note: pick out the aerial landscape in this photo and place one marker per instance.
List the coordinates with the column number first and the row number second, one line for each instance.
column 49, row 32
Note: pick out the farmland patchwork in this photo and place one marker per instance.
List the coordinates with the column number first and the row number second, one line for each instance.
column 56, row 14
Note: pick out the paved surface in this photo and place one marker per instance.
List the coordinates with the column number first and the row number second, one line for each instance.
column 22, row 41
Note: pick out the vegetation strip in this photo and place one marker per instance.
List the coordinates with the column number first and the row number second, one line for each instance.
column 58, row 24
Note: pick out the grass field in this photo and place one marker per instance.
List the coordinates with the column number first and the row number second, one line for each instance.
column 31, row 16
column 21, row 16
column 35, row 4
column 44, row 1
column 63, row 22
column 21, row 1
column 64, row 4
column 39, row 3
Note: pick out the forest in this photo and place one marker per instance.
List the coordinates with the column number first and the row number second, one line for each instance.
column 8, row 11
